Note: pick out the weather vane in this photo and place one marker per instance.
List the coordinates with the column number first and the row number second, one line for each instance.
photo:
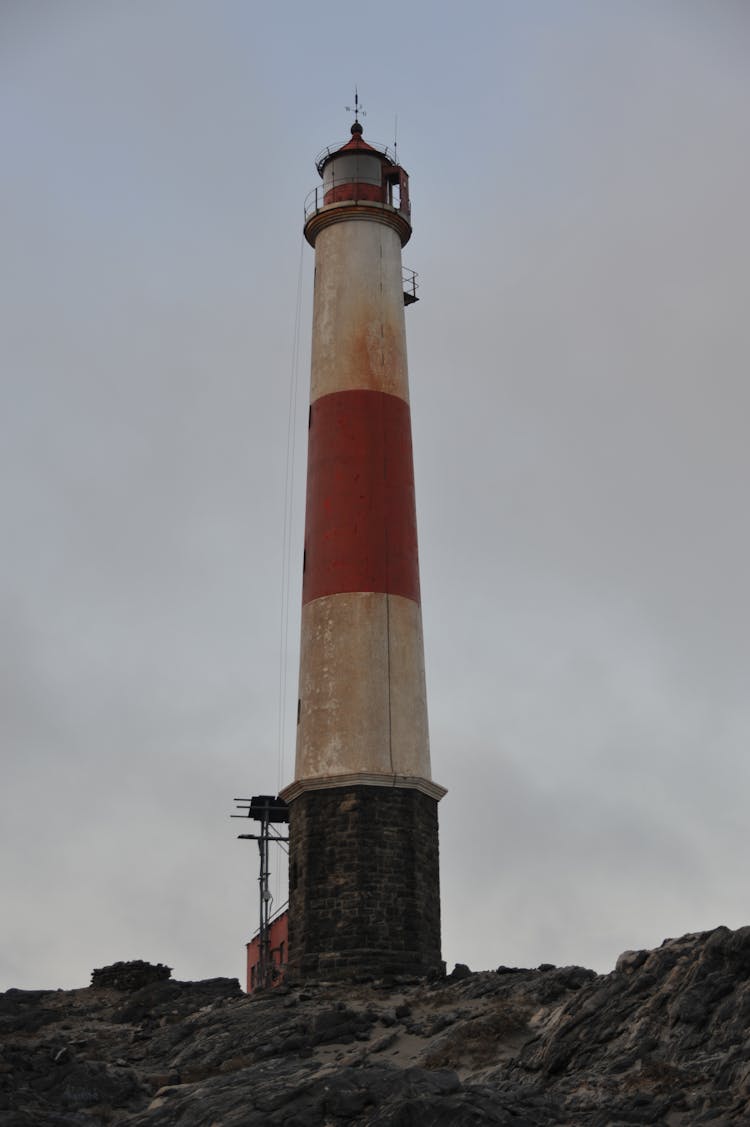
column 356, row 109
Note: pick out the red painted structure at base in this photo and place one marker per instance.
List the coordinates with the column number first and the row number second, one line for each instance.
column 278, row 940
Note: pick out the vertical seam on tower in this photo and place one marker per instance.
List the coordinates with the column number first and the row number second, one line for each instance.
column 387, row 546
column 382, row 334
column 388, row 666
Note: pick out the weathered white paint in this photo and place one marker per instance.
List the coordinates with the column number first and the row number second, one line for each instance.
column 359, row 332
column 353, row 168
column 363, row 704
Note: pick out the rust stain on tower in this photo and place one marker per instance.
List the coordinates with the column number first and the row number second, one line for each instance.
column 364, row 879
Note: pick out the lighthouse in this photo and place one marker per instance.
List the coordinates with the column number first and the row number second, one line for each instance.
column 363, row 834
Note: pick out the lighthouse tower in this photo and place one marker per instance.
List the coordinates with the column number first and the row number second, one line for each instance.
column 363, row 880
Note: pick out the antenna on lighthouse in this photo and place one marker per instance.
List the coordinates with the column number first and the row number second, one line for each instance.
column 356, row 109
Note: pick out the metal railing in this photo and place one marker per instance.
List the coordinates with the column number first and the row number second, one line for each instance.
column 314, row 200
column 331, row 150
column 410, row 284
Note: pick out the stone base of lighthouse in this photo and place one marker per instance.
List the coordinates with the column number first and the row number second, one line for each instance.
column 364, row 894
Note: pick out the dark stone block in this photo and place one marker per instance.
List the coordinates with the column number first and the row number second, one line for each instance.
column 364, row 887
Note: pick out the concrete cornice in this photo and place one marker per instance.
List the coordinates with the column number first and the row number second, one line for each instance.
column 357, row 209
column 362, row 779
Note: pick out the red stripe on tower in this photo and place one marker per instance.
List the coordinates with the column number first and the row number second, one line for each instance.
column 361, row 528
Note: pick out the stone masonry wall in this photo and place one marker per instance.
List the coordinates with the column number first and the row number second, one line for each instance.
column 364, row 884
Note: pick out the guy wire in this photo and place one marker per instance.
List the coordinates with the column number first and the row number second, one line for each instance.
column 291, row 432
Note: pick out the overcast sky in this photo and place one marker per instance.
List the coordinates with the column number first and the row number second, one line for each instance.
column 580, row 174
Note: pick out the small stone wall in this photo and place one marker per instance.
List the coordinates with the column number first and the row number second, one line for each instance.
column 364, row 883
column 129, row 976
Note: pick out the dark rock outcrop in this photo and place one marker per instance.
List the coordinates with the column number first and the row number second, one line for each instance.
column 663, row 1039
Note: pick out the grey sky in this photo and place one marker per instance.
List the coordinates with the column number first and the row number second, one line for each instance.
column 580, row 177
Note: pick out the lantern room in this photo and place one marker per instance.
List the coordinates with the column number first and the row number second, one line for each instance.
column 359, row 173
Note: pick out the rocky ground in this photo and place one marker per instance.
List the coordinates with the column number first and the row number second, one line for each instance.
column 664, row 1038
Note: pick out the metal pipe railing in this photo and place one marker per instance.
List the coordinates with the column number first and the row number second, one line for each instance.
column 331, row 150
column 410, row 283
column 314, row 200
